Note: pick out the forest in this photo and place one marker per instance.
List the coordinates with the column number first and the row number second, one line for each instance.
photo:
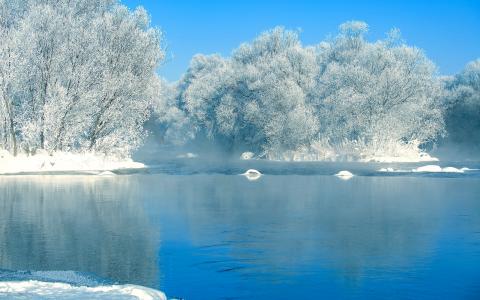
column 81, row 76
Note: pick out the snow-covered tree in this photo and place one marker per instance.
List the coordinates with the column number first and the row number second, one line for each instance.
column 463, row 106
column 10, row 14
column 276, row 96
column 81, row 75
column 376, row 93
column 256, row 100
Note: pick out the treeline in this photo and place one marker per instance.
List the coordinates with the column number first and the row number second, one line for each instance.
column 75, row 75
column 80, row 76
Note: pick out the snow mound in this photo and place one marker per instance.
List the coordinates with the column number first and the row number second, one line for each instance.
column 107, row 173
column 387, row 170
column 437, row 169
column 247, row 155
column 252, row 174
column 33, row 289
column 63, row 161
column 345, row 175
column 428, row 168
column 452, row 170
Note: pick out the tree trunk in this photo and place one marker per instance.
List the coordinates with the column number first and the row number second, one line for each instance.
column 11, row 126
column 98, row 124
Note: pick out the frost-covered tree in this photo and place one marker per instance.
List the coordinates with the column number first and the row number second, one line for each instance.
column 275, row 80
column 81, row 75
column 462, row 114
column 255, row 100
column 171, row 122
column 378, row 93
column 275, row 96
column 10, row 14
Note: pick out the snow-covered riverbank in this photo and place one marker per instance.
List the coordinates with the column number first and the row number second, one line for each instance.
column 56, row 290
column 63, row 161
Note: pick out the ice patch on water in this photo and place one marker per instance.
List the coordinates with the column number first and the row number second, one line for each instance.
column 345, row 175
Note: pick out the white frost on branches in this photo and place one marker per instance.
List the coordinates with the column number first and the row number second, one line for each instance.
column 343, row 97
column 75, row 75
column 462, row 103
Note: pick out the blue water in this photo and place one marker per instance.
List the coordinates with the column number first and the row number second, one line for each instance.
column 197, row 230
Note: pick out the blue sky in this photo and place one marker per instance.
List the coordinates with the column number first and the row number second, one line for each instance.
column 448, row 31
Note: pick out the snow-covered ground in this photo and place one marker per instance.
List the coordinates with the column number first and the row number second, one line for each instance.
column 33, row 289
column 63, row 161
column 344, row 175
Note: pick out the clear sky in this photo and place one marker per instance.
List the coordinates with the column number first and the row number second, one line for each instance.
column 448, row 31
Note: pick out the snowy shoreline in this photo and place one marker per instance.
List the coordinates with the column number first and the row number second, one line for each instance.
column 33, row 289
column 63, row 161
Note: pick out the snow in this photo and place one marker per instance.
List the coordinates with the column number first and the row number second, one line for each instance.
column 252, row 174
column 107, row 173
column 344, row 175
column 427, row 169
column 33, row 289
column 63, row 161
column 452, row 170
column 387, row 170
column 437, row 169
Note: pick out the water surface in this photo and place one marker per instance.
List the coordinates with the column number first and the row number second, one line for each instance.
column 205, row 233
